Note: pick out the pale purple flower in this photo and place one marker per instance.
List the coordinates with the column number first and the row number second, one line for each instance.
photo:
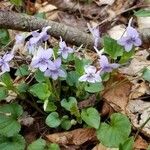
column 54, row 70
column 105, row 65
column 91, row 75
column 42, row 60
column 96, row 34
column 131, row 39
column 37, row 39
column 4, row 62
column 64, row 50
column 19, row 39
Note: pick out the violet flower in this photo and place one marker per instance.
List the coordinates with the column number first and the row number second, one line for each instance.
column 91, row 75
column 96, row 34
column 106, row 66
column 131, row 39
column 54, row 70
column 19, row 39
column 37, row 39
column 64, row 50
column 4, row 62
column 42, row 60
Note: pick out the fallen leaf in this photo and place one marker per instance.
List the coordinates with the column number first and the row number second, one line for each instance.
column 104, row 2
column 139, row 111
column 102, row 147
column 137, row 64
column 117, row 31
column 139, row 89
column 140, row 143
column 117, row 92
column 143, row 22
column 74, row 137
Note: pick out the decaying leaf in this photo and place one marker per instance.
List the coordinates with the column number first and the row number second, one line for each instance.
column 139, row 111
column 102, row 147
column 117, row 92
column 137, row 64
column 74, row 137
column 117, row 31
column 139, row 89
column 104, row 2
column 140, row 143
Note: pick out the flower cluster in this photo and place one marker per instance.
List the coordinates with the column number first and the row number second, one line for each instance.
column 4, row 62
column 131, row 39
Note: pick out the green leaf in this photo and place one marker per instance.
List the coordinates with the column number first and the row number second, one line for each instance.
column 70, row 104
column 142, row 13
column 4, row 37
column 9, row 114
column 112, row 48
column 6, row 79
column 146, row 74
column 148, row 147
column 16, row 142
column 91, row 116
column 49, row 106
column 39, row 144
column 54, row 146
column 39, row 76
column 127, row 145
column 116, row 132
column 17, row 2
column 3, row 93
column 94, row 87
column 126, row 56
column 72, row 78
column 79, row 65
column 22, row 87
column 66, row 123
column 40, row 90
column 53, row 120
column 22, row 71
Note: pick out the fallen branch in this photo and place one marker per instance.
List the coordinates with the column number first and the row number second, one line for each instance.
column 72, row 35
column 22, row 22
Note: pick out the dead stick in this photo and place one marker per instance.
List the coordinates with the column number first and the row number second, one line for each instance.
column 22, row 22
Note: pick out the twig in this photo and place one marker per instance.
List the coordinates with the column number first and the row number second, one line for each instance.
column 22, row 22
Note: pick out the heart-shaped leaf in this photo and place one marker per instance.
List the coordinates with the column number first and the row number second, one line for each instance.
column 127, row 145
column 39, row 144
column 40, row 90
column 116, row 132
column 53, row 120
column 9, row 114
column 91, row 116
column 94, row 87
column 16, row 142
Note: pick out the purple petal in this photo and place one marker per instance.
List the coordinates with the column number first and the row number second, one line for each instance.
column 47, row 73
column 8, row 57
column 132, row 32
column 90, row 69
column 138, row 42
column 62, row 73
column 19, row 39
column 83, row 78
column 5, row 67
column 57, row 62
column 114, row 65
column 42, row 67
column 54, row 76
column 64, row 55
column 103, row 61
column 52, row 66
column 35, row 34
column 128, row 47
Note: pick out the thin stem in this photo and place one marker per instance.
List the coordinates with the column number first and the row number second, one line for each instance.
column 141, row 127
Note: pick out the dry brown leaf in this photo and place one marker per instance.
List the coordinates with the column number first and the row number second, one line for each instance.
column 117, row 31
column 117, row 93
column 140, row 143
column 137, row 64
column 139, row 111
column 139, row 89
column 102, row 147
column 74, row 137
